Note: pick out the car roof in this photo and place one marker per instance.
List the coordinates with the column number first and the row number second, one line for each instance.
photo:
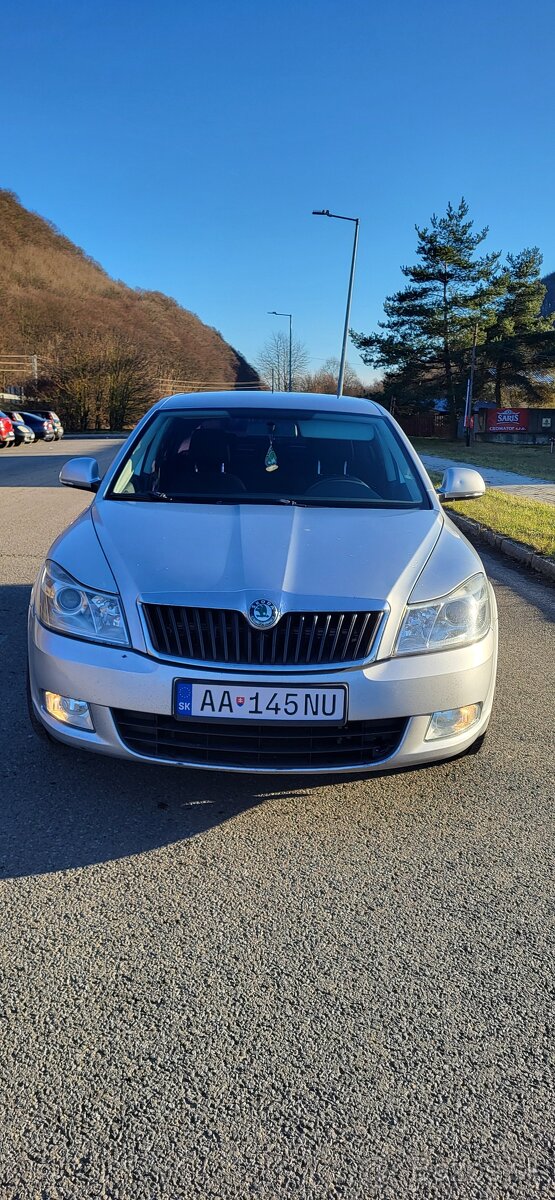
column 275, row 400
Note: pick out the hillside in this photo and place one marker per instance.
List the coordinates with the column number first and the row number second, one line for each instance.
column 59, row 304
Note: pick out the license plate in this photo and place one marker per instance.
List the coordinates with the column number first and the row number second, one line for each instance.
column 248, row 702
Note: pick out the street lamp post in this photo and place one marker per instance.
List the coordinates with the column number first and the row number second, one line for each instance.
column 470, row 389
column 273, row 313
column 325, row 212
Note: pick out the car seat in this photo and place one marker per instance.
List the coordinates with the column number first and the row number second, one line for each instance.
column 210, row 456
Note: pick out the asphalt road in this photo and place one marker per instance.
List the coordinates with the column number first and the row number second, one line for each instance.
column 231, row 987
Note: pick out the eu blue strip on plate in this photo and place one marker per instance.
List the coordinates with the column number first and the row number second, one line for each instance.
column 183, row 699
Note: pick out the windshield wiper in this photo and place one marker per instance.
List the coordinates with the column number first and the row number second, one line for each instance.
column 187, row 498
column 276, row 500
column 139, row 496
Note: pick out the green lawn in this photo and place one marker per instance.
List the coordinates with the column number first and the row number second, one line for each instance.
column 527, row 460
column 526, row 521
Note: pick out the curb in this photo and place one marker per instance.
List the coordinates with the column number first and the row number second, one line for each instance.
column 515, row 550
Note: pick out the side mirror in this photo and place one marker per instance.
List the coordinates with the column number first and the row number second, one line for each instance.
column 81, row 473
column 460, row 483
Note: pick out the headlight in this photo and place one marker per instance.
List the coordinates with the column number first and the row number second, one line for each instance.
column 68, row 607
column 458, row 619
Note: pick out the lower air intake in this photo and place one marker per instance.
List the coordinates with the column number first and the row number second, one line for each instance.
column 254, row 745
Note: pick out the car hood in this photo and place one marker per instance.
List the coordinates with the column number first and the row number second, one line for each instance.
column 231, row 554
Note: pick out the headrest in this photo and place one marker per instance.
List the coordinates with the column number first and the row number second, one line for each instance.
column 333, row 455
column 209, row 448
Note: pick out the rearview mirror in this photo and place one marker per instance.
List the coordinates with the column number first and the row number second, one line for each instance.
column 81, row 473
column 460, row 483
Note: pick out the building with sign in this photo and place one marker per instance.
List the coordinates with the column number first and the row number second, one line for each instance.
column 528, row 426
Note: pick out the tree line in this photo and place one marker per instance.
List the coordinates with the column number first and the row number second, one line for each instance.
column 273, row 365
column 102, row 379
column 95, row 381
column 457, row 298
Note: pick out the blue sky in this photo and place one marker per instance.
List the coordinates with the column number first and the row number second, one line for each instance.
column 184, row 145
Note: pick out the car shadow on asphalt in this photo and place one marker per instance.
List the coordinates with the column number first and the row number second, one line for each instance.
column 61, row 809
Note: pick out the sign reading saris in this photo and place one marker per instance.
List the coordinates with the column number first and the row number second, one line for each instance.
column 507, row 420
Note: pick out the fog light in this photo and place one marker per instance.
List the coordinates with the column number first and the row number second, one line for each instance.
column 452, row 721
column 68, row 711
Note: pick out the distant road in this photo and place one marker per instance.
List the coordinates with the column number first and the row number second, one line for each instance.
column 39, row 464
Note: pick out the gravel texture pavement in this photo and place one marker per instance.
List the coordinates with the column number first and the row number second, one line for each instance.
column 218, row 987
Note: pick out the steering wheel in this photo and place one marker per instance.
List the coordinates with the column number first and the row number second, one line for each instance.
column 349, row 483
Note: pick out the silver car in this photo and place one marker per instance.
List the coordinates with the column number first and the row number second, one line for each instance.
column 264, row 582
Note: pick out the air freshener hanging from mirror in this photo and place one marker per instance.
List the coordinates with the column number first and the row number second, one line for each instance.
column 271, row 462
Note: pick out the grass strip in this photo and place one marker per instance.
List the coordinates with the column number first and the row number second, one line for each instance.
column 527, row 521
column 535, row 461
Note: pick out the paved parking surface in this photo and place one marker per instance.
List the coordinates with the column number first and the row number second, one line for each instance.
column 223, row 987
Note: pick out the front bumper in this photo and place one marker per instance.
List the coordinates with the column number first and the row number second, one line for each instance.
column 123, row 679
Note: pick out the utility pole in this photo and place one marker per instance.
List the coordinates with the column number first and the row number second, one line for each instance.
column 290, row 350
column 470, row 388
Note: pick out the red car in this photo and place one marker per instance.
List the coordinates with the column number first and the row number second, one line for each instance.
column 7, row 435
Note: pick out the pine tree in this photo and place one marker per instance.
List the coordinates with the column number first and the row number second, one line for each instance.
column 519, row 350
column 425, row 343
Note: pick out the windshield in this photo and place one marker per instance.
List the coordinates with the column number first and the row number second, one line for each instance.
column 269, row 457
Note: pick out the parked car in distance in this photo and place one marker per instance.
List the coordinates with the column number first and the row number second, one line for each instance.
column 42, row 427
column 23, row 433
column 7, row 435
column 52, row 416
column 265, row 582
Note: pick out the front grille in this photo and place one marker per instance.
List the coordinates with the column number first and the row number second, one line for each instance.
column 225, row 636
column 256, row 744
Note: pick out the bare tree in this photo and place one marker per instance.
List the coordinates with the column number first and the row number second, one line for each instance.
column 129, row 383
column 326, row 379
column 274, row 358
column 98, row 380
